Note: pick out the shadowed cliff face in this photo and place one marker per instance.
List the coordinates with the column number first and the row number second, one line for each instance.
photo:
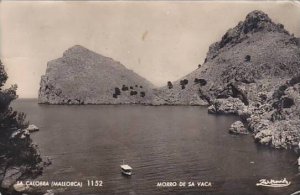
column 84, row 77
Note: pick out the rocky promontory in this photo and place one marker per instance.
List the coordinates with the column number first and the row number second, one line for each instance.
column 82, row 76
column 254, row 72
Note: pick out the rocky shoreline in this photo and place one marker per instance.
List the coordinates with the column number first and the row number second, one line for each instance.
column 274, row 119
column 21, row 161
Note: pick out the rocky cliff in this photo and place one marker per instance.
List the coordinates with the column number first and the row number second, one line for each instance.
column 253, row 72
column 81, row 76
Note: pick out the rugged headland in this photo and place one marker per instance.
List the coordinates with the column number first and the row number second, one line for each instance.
column 253, row 72
column 82, row 76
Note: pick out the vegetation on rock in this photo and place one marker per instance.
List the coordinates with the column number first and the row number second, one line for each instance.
column 117, row 92
column 124, row 88
column 170, row 85
column 247, row 58
column 202, row 82
column 133, row 92
column 183, row 83
column 16, row 148
column 142, row 94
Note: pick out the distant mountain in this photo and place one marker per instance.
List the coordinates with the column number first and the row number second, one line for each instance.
column 85, row 77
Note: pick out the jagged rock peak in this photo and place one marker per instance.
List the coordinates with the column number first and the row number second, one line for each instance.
column 255, row 21
column 257, row 16
column 258, row 20
column 78, row 50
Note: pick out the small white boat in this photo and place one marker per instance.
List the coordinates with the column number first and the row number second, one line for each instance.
column 126, row 169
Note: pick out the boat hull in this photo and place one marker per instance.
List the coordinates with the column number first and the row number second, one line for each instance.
column 126, row 173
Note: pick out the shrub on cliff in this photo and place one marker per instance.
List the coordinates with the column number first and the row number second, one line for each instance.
column 124, row 88
column 202, row 82
column 247, row 58
column 170, row 85
column 133, row 92
column 117, row 91
column 183, row 83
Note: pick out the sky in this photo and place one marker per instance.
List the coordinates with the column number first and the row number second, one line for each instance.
column 160, row 40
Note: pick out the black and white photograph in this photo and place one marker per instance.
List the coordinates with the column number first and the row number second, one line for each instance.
column 149, row 97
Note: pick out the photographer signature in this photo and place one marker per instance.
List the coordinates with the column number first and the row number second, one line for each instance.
column 273, row 183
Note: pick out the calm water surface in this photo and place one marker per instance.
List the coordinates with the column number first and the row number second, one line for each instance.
column 165, row 143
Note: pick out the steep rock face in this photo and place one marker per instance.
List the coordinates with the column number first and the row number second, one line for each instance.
column 84, row 77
